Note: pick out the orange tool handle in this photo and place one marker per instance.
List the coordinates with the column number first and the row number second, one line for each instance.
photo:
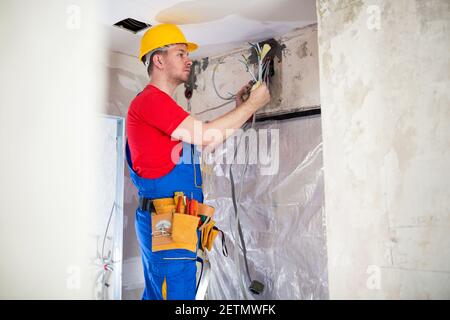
column 194, row 207
column 191, row 206
column 188, row 204
column 180, row 200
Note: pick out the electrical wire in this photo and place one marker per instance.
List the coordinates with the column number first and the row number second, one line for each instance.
column 107, row 227
column 246, row 63
column 106, row 262
column 214, row 108
column 232, row 96
column 263, row 76
column 235, row 200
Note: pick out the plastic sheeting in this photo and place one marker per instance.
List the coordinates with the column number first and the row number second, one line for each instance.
column 282, row 217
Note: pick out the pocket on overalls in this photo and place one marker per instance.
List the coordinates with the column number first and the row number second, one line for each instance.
column 161, row 231
column 174, row 231
column 185, row 229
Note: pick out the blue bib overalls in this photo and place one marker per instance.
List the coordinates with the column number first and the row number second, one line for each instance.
column 178, row 266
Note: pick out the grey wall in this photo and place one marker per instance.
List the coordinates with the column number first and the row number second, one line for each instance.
column 294, row 86
column 384, row 68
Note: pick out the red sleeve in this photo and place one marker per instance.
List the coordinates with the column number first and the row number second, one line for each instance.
column 162, row 112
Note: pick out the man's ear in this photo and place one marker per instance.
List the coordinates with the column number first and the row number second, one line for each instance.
column 157, row 61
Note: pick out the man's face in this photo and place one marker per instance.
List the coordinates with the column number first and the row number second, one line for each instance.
column 177, row 63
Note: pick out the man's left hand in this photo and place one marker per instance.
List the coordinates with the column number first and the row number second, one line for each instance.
column 243, row 93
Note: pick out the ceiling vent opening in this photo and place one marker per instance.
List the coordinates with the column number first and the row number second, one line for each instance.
column 132, row 25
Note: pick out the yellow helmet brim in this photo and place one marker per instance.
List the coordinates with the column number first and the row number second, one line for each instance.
column 163, row 35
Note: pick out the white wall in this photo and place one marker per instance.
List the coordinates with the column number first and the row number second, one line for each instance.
column 386, row 128
column 52, row 85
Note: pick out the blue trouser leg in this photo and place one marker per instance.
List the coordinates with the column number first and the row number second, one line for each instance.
column 180, row 274
column 153, row 285
column 180, row 278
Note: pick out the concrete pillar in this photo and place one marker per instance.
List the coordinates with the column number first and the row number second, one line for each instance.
column 385, row 69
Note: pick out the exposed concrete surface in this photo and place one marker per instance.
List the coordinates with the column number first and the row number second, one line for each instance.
column 294, row 85
column 386, row 129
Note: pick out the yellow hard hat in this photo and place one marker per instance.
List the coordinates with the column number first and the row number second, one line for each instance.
column 162, row 35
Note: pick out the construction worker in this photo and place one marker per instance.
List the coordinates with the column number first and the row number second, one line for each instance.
column 160, row 134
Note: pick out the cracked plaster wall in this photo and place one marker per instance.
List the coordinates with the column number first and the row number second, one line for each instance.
column 384, row 70
column 295, row 84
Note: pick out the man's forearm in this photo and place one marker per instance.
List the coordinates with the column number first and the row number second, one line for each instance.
column 218, row 130
column 210, row 134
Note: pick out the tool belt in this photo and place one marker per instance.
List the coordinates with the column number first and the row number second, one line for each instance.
column 176, row 222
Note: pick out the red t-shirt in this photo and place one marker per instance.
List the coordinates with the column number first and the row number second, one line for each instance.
column 152, row 117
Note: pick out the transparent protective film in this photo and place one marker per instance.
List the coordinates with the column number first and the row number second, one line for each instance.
column 281, row 211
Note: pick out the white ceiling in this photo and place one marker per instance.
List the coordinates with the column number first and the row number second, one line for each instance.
column 217, row 26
